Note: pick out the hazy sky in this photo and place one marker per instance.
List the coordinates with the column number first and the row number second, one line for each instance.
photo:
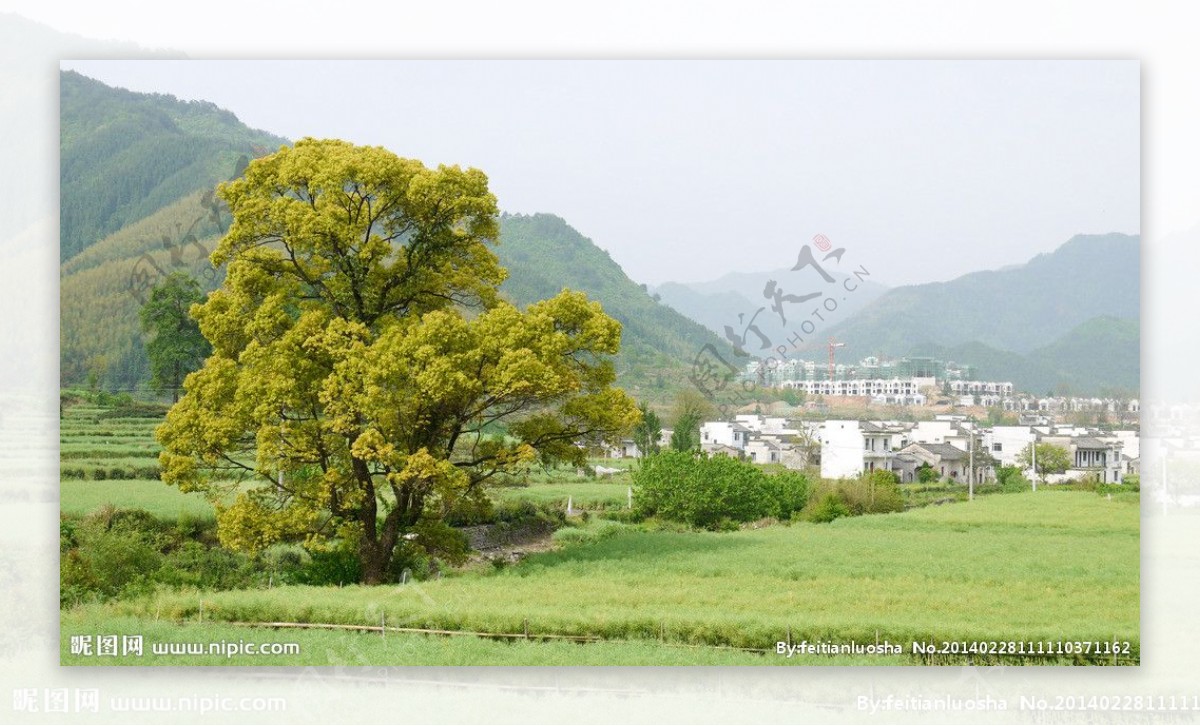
column 686, row 170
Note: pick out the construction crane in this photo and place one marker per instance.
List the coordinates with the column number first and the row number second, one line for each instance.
column 832, row 346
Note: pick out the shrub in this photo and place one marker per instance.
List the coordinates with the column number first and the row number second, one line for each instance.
column 713, row 492
column 434, row 543
column 868, row 495
column 207, row 567
column 791, row 490
column 66, row 533
column 1011, row 479
column 145, row 472
column 332, row 567
column 828, row 508
column 701, row 491
column 135, row 409
column 599, row 530
column 107, row 562
column 871, row 493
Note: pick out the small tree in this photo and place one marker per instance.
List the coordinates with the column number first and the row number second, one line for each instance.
column 648, row 432
column 926, row 474
column 690, row 410
column 177, row 347
column 1051, row 459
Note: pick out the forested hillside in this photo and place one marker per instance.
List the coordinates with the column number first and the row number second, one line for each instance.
column 124, row 155
column 544, row 254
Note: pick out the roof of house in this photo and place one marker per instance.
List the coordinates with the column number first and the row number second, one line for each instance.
column 720, row 449
column 1088, row 442
column 943, row 451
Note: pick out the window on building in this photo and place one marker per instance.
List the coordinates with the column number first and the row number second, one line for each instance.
column 997, row 447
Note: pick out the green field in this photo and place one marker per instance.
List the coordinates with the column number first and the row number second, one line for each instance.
column 1044, row 566
column 163, row 501
column 584, row 494
column 1051, row 565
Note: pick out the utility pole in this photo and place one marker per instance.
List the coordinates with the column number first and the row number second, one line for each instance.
column 971, row 467
column 1033, row 458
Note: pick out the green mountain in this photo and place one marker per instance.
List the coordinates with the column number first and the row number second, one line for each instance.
column 1096, row 358
column 156, row 221
column 124, row 155
column 544, row 254
column 1019, row 308
column 1064, row 321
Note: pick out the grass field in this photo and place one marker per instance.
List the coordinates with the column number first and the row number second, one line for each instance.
column 1051, row 565
column 1044, row 566
column 163, row 501
column 586, row 494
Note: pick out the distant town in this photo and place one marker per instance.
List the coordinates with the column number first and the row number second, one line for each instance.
column 952, row 446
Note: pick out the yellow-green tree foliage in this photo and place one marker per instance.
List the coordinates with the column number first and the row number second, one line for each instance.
column 360, row 350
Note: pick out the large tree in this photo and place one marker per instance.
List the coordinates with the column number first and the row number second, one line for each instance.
column 177, row 346
column 363, row 365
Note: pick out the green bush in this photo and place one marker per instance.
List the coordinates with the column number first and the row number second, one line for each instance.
column 135, row 409
column 146, row 472
column 700, row 490
column 595, row 532
column 333, row 567
column 874, row 492
column 927, row 474
column 66, row 534
column 1012, row 480
column 791, row 489
column 213, row 568
column 828, row 508
column 435, row 545
column 713, row 492
column 115, row 553
column 109, row 559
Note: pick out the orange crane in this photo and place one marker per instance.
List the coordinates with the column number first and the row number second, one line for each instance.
column 832, row 346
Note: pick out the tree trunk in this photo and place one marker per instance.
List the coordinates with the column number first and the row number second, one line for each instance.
column 373, row 560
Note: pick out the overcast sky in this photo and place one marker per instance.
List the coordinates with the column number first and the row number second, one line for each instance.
column 685, row 170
